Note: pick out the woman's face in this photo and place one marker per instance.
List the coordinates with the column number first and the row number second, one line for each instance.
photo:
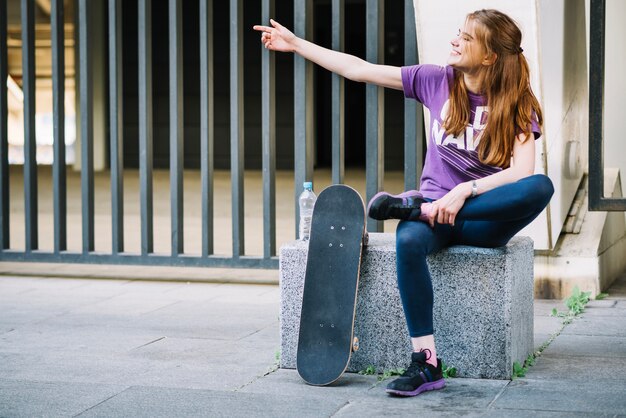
column 468, row 55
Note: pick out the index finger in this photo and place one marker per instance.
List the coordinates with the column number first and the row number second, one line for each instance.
column 262, row 28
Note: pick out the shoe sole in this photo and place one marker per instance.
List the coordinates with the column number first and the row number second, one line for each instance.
column 437, row 384
column 397, row 196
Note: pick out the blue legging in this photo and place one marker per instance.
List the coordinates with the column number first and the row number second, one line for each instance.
column 488, row 220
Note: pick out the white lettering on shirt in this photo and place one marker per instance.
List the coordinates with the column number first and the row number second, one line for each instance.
column 472, row 132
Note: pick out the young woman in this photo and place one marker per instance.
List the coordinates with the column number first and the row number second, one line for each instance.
column 477, row 186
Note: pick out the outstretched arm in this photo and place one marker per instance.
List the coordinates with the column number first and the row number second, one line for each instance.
column 279, row 38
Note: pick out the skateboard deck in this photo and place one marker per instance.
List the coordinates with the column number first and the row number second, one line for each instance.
column 325, row 340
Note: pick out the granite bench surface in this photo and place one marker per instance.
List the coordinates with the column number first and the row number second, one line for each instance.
column 483, row 307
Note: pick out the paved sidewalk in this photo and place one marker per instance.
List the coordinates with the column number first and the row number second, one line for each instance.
column 85, row 347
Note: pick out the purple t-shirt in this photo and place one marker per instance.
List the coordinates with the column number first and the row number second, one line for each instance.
column 449, row 160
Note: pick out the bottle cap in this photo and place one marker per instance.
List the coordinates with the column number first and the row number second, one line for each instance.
column 308, row 185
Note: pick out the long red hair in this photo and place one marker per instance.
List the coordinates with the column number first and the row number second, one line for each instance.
column 506, row 83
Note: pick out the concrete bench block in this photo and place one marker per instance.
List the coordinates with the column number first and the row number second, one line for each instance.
column 483, row 312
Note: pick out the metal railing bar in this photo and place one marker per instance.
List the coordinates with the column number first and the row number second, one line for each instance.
column 176, row 124
column 597, row 31
column 86, row 123
column 116, row 123
column 596, row 102
column 144, row 31
column 4, row 134
column 338, row 91
column 207, row 127
column 268, row 106
column 303, row 104
column 136, row 259
column 30, row 142
column 413, row 114
column 58, row 110
column 236, row 125
column 374, row 107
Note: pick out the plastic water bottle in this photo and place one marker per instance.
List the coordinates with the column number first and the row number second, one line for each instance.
column 306, row 200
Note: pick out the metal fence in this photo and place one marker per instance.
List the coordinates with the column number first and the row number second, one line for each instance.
column 597, row 201
column 303, row 141
column 303, row 129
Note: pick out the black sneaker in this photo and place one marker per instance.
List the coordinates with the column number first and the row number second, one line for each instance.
column 419, row 377
column 404, row 206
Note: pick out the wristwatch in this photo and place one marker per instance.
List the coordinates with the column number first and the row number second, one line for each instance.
column 474, row 188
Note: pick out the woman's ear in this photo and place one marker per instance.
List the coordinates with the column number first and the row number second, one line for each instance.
column 490, row 58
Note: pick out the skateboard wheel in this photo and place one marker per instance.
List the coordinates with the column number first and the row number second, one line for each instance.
column 355, row 344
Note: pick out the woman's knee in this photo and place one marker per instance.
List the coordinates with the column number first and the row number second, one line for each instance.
column 410, row 239
column 540, row 188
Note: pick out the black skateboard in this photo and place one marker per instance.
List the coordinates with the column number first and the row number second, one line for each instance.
column 326, row 340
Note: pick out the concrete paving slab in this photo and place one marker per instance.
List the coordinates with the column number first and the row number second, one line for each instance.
column 616, row 311
column 235, row 293
column 126, row 304
column 543, row 307
column 195, row 291
column 617, row 290
column 151, row 286
column 41, row 399
column 575, row 368
column 563, row 396
column 73, row 368
column 42, row 283
column 206, row 364
column 547, row 325
column 525, row 413
column 288, row 381
column 52, row 300
column 459, row 393
column 43, row 338
column 602, row 303
column 214, row 349
column 540, row 340
column 206, row 376
column 597, row 326
column 366, row 396
column 18, row 313
column 585, row 345
column 193, row 351
column 215, row 320
column 10, row 286
column 166, row 402
column 177, row 319
column 401, row 408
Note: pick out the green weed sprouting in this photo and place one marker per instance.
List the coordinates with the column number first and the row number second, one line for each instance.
column 575, row 304
column 448, row 371
column 371, row 371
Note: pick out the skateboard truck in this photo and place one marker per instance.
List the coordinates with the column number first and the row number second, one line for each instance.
column 355, row 344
